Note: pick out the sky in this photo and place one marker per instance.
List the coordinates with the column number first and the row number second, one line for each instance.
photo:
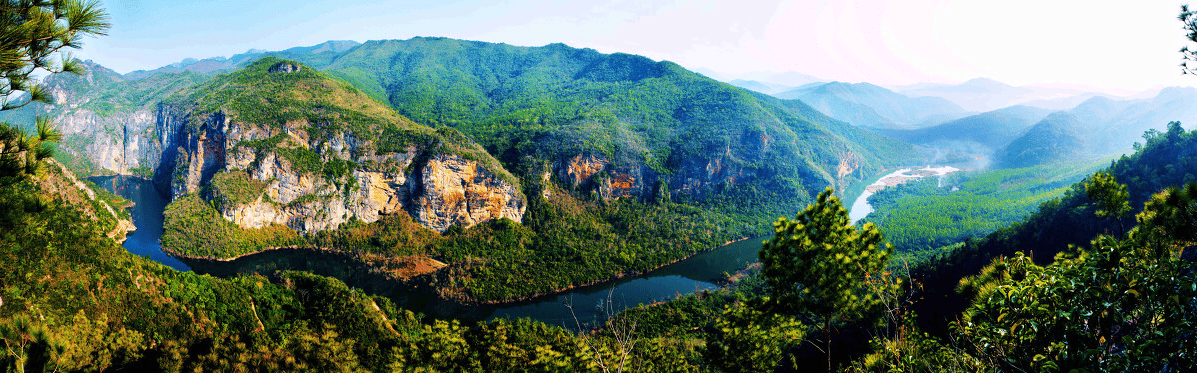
column 1117, row 46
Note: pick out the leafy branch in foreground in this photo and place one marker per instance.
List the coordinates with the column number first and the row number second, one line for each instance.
column 32, row 36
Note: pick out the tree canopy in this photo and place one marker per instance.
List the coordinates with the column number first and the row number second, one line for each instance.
column 32, row 36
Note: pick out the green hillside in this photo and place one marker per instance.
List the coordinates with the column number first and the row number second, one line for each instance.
column 516, row 100
column 685, row 163
column 1059, row 137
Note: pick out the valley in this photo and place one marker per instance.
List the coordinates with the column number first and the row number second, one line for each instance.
column 426, row 203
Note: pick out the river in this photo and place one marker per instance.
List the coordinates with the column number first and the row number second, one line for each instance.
column 861, row 207
column 147, row 217
column 697, row 273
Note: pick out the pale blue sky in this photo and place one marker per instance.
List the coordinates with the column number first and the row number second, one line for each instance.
column 1126, row 45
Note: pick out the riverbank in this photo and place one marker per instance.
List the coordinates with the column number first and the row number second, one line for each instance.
column 422, row 271
column 861, row 207
column 397, row 268
column 599, row 282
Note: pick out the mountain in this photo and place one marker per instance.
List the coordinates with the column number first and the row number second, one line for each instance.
column 1129, row 123
column 1055, row 138
column 789, row 78
column 491, row 158
column 762, row 87
column 1101, row 125
column 992, row 129
column 871, row 106
column 982, row 94
column 978, row 94
column 217, row 64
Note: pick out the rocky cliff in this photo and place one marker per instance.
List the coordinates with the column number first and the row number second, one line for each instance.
column 313, row 174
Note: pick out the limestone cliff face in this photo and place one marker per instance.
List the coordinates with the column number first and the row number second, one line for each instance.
column 118, row 142
column 438, row 190
column 454, row 191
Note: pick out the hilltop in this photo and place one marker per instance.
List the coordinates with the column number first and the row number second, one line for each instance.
column 465, row 151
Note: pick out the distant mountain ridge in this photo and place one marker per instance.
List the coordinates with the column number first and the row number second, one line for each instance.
column 984, row 94
column 992, row 129
column 216, row 64
column 1021, row 135
column 1058, row 137
column 871, row 106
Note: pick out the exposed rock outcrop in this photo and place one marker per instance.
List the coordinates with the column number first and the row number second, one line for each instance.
column 456, row 191
column 440, row 191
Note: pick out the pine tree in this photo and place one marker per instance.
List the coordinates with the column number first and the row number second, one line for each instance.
column 33, row 34
column 819, row 265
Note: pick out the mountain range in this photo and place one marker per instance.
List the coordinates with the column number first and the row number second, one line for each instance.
column 466, row 145
column 1024, row 135
column 871, row 106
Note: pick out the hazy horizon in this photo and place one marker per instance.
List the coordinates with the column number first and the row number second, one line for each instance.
column 1114, row 48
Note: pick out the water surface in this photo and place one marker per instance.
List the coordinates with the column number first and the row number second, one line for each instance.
column 699, row 272
column 147, row 216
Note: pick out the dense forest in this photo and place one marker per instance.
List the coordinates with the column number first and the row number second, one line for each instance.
column 657, row 195
column 931, row 213
column 112, row 309
column 1102, row 276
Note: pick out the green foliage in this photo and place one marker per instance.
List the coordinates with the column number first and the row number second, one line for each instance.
column 193, row 227
column 818, row 262
column 1167, row 159
column 746, row 339
column 21, row 153
column 1111, row 197
column 915, row 351
column 934, row 212
column 232, row 188
column 34, row 34
column 1171, row 214
column 1116, row 307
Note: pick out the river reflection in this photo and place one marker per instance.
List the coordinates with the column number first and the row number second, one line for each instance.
column 700, row 272
column 147, row 216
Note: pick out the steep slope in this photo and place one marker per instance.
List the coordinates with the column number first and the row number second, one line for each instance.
column 868, row 105
column 1055, row 138
column 75, row 300
column 604, row 164
column 109, row 121
column 636, row 117
column 279, row 143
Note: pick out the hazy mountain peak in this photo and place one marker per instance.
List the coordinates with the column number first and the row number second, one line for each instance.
column 986, row 82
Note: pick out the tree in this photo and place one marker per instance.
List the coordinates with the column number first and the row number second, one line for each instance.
column 1111, row 197
column 818, row 265
column 33, row 34
column 20, row 153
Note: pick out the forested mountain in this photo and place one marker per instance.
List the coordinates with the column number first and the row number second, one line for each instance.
column 633, row 154
column 1168, row 159
column 870, row 106
column 1058, row 137
column 974, row 137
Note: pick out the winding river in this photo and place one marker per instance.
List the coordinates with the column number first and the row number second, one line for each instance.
column 697, row 273
column 861, row 207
